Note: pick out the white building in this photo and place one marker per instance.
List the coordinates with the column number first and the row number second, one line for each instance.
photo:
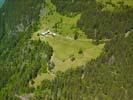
column 45, row 33
column 48, row 32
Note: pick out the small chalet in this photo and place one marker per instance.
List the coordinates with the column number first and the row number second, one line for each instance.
column 45, row 33
column 48, row 32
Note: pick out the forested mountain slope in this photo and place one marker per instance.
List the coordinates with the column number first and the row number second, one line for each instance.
column 20, row 58
column 1, row 3
column 109, row 77
column 98, row 20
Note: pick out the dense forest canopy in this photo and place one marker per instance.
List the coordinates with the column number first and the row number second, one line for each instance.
column 1, row 3
column 20, row 58
column 96, row 21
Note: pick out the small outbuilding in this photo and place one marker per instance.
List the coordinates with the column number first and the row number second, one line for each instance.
column 48, row 32
column 45, row 33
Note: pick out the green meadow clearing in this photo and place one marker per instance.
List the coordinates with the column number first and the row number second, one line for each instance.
column 58, row 23
column 68, row 52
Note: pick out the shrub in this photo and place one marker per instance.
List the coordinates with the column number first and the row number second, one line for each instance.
column 76, row 36
column 80, row 51
column 38, row 34
column 73, row 58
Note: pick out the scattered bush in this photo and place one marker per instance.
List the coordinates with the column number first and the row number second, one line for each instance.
column 80, row 51
column 73, row 59
column 76, row 35
column 38, row 34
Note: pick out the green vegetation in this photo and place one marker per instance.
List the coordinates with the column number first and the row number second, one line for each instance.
column 107, row 78
column 112, row 5
column 69, row 65
column 54, row 21
column 1, row 3
column 66, row 47
column 127, row 2
column 96, row 22
column 68, row 53
column 21, row 59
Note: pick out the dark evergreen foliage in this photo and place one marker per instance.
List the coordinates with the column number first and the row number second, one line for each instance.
column 21, row 58
column 96, row 22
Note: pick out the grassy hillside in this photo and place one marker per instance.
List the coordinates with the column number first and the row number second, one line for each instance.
column 72, row 53
column 21, row 56
column 68, row 53
column 103, row 78
column 58, row 23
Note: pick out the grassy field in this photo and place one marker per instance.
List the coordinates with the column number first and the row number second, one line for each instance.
column 66, row 49
column 68, row 53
